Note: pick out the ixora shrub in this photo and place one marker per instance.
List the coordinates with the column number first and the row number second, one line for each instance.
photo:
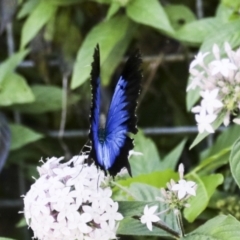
column 219, row 83
column 76, row 201
column 71, row 201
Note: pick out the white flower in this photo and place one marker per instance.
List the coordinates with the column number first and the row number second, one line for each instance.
column 95, row 211
column 49, row 165
column 149, row 217
column 222, row 66
column 204, row 121
column 196, row 109
column 69, row 212
column 71, row 201
column 227, row 47
column 181, row 170
column 210, row 101
column 107, row 232
column 198, row 59
column 226, row 119
column 236, row 120
column 216, row 51
column 176, row 195
column 219, row 85
column 103, row 197
column 82, row 220
column 196, row 80
column 112, row 215
column 184, row 187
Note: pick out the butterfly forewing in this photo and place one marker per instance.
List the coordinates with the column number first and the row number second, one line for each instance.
column 121, row 118
column 95, row 106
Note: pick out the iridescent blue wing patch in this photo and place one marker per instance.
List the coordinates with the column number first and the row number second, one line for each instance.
column 111, row 144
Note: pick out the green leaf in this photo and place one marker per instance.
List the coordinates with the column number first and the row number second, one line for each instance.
column 226, row 32
column 14, row 89
column 41, row 14
column 223, row 13
column 107, row 34
column 22, row 136
column 219, row 228
column 235, row 4
column 193, row 96
column 150, row 13
column 156, row 179
column 113, row 9
column 144, row 192
column 132, row 226
column 149, row 161
column 65, row 2
column 134, row 208
column 116, row 55
column 104, row 1
column 3, row 238
column 225, row 140
column 235, row 161
column 179, row 15
column 171, row 159
column 22, row 222
column 10, row 64
column 214, row 161
column 206, row 186
column 47, row 99
column 195, row 32
column 215, row 125
column 218, row 154
column 27, row 8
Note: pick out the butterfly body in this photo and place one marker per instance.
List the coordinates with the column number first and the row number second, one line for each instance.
column 110, row 139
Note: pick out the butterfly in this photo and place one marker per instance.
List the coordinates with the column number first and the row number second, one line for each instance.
column 110, row 141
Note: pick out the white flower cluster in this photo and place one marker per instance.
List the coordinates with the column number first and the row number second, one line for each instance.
column 219, row 83
column 177, row 194
column 69, row 201
column 175, row 197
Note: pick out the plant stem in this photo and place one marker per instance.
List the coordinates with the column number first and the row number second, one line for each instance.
column 166, row 210
column 164, row 227
column 180, row 222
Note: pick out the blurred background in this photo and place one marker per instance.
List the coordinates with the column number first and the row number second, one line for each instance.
column 46, row 48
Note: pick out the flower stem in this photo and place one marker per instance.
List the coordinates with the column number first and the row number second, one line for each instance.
column 164, row 227
column 180, row 222
column 166, row 210
column 124, row 189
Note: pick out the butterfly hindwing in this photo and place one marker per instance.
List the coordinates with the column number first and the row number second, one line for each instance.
column 111, row 145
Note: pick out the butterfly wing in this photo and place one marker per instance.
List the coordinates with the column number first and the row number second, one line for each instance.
column 95, row 106
column 121, row 118
column 111, row 146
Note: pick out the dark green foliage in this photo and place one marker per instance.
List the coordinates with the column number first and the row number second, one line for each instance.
column 56, row 38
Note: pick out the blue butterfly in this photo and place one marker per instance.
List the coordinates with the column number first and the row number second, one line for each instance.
column 110, row 141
